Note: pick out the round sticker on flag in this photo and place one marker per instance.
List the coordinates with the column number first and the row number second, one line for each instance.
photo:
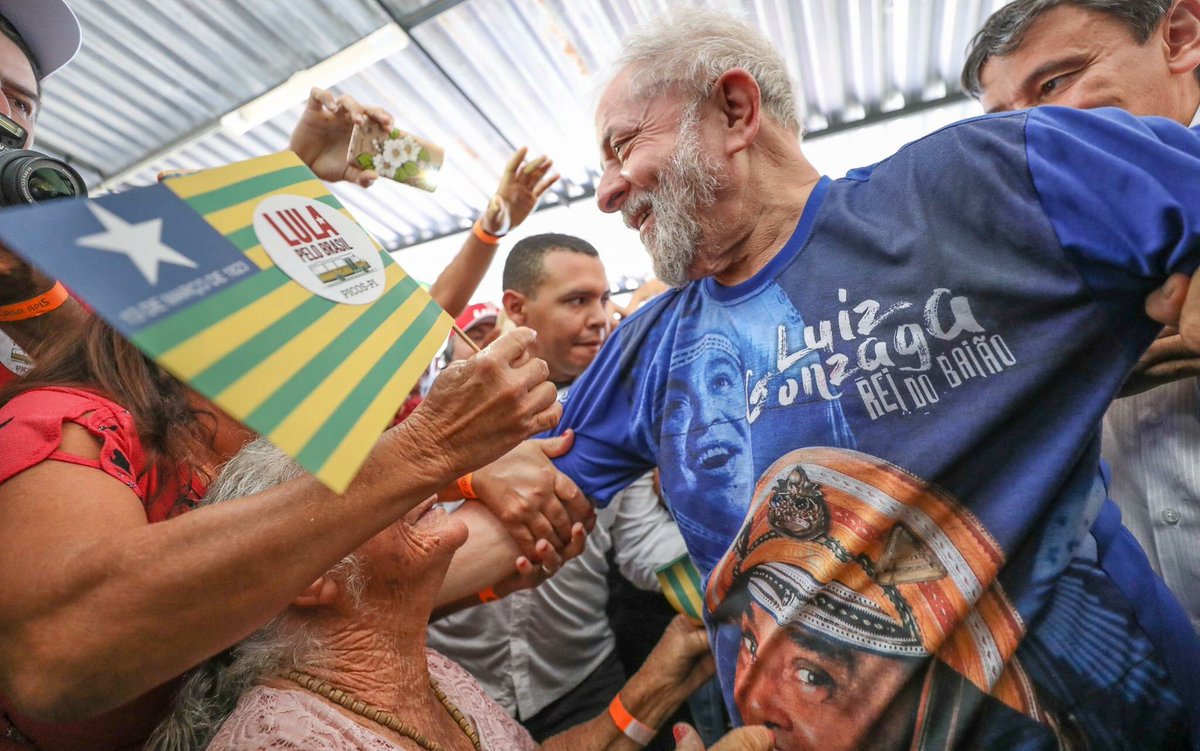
column 319, row 247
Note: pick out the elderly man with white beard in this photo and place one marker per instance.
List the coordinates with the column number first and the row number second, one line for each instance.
column 904, row 533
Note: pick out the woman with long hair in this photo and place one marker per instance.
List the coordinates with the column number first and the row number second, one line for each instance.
column 109, row 591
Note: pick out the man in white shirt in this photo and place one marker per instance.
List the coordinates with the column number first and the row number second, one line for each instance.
column 1142, row 56
column 547, row 655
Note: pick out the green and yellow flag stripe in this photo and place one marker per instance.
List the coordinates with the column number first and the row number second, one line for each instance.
column 683, row 586
column 320, row 379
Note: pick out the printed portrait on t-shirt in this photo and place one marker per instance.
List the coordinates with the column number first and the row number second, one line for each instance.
column 868, row 612
column 712, row 411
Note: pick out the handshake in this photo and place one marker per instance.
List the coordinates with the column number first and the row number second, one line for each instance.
column 479, row 413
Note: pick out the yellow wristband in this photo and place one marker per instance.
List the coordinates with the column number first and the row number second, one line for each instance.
column 465, row 487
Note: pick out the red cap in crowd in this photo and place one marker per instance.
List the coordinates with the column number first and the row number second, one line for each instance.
column 483, row 312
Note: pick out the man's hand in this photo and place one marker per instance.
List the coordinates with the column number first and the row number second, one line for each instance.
column 749, row 738
column 521, row 185
column 322, row 137
column 532, row 572
column 1176, row 303
column 1168, row 359
column 482, row 407
column 533, row 499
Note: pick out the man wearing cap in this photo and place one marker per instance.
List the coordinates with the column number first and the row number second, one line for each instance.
column 37, row 40
column 478, row 322
column 548, row 654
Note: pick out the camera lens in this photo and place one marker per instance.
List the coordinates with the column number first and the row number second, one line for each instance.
column 31, row 177
column 46, row 183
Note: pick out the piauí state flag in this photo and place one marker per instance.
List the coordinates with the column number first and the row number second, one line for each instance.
column 683, row 587
column 253, row 285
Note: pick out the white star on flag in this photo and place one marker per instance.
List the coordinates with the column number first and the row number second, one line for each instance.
column 141, row 242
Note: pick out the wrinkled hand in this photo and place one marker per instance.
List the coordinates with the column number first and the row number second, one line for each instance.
column 322, row 137
column 531, row 498
column 521, row 185
column 1168, row 359
column 749, row 738
column 681, row 661
column 480, row 408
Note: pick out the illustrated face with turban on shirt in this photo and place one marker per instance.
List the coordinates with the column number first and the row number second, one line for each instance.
column 868, row 611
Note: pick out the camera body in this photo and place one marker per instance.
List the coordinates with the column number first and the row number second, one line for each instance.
column 28, row 176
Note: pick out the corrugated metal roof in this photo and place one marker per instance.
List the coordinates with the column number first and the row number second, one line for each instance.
column 478, row 77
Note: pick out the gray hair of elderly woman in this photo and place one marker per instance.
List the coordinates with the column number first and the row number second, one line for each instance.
column 692, row 47
column 1005, row 30
column 211, row 690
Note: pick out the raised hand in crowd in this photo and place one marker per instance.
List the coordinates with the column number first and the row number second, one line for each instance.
column 521, row 187
column 322, row 136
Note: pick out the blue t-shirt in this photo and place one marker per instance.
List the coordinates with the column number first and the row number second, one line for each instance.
column 883, row 449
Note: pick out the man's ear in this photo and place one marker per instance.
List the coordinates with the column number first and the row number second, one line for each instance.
column 740, row 100
column 514, row 306
column 320, row 594
column 1181, row 35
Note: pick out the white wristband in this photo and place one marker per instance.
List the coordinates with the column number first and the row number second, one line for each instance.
column 636, row 731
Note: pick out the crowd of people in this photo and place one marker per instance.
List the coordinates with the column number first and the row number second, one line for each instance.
column 871, row 412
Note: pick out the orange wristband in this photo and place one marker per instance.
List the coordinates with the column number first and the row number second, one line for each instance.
column 488, row 595
column 464, row 487
column 638, row 732
column 49, row 300
column 485, row 237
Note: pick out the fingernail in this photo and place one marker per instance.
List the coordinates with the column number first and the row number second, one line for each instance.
column 680, row 732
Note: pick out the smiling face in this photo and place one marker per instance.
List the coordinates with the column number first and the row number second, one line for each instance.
column 706, row 443
column 567, row 310
column 1081, row 58
column 658, row 174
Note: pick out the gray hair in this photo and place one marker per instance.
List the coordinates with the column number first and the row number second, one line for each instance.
column 211, row 690
column 1005, row 30
column 692, row 47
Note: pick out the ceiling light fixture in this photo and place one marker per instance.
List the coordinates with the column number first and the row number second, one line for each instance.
column 372, row 48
